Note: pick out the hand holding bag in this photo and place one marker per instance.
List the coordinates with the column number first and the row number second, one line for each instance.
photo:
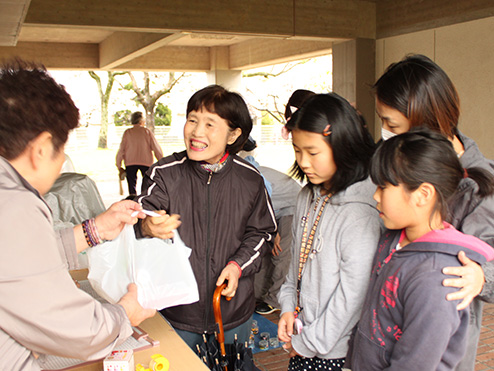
column 160, row 268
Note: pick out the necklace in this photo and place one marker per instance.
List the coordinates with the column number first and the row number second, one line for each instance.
column 306, row 244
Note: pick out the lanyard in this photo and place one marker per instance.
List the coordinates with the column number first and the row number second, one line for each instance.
column 306, row 245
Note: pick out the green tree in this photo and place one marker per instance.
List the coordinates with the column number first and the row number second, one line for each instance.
column 163, row 115
column 104, row 95
column 122, row 117
column 147, row 99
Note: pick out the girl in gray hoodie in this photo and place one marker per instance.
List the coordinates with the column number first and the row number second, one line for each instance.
column 335, row 233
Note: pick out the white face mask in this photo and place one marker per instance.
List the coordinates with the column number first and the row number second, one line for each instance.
column 386, row 134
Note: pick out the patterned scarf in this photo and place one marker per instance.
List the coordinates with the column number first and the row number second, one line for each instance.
column 214, row 168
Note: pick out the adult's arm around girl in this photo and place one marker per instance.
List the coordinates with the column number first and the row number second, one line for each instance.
column 473, row 215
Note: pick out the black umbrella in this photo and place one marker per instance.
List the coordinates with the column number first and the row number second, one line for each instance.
column 208, row 352
column 233, row 357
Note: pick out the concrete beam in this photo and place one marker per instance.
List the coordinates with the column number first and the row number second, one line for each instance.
column 122, row 47
column 263, row 52
column 319, row 18
column 405, row 16
column 335, row 19
column 273, row 17
column 55, row 55
column 12, row 16
column 171, row 58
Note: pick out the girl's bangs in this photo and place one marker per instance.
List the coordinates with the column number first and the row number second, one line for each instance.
column 384, row 165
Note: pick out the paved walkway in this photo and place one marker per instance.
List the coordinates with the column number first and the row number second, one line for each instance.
column 277, row 359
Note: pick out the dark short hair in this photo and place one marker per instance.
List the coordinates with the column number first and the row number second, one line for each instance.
column 296, row 100
column 229, row 106
column 424, row 156
column 32, row 102
column 351, row 143
column 136, row 118
column 250, row 144
column 419, row 89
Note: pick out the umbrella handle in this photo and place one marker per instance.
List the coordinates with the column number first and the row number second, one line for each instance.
column 217, row 316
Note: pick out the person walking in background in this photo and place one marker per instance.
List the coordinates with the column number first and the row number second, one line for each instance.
column 136, row 151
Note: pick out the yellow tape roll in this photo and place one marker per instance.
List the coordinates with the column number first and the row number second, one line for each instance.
column 159, row 363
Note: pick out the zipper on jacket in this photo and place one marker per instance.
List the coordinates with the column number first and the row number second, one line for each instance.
column 208, row 257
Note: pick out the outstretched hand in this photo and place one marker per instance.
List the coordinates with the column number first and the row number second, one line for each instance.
column 111, row 222
column 160, row 226
column 470, row 282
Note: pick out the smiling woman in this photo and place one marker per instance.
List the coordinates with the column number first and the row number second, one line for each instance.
column 207, row 135
column 228, row 220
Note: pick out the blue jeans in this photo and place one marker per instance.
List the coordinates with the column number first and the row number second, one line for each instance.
column 193, row 338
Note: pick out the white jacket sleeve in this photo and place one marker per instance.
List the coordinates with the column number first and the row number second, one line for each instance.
column 41, row 308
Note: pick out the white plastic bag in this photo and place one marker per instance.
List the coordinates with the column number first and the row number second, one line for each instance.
column 160, row 268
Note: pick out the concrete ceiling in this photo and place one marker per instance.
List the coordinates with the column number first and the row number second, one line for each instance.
column 195, row 35
column 12, row 14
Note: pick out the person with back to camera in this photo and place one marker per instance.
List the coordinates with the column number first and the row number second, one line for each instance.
column 283, row 191
column 227, row 218
column 417, row 92
column 406, row 323
column 335, row 232
column 136, row 151
column 42, row 311
column 295, row 101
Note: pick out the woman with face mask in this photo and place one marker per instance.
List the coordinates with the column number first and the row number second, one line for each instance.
column 417, row 92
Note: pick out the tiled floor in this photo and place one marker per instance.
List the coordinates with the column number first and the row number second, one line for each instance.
column 485, row 351
column 277, row 359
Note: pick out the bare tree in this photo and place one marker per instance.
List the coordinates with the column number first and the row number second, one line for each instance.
column 104, row 95
column 287, row 67
column 277, row 113
column 147, row 99
column 271, row 106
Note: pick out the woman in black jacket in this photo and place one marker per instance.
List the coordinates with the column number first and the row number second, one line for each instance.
column 227, row 217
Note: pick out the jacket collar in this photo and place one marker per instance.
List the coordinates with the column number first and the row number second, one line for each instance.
column 11, row 178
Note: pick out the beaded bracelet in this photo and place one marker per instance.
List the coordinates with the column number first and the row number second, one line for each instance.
column 94, row 231
column 91, row 233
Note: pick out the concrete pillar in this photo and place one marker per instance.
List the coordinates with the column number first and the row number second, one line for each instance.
column 353, row 75
column 220, row 73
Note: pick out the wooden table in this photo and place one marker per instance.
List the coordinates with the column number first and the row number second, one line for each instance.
column 178, row 353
